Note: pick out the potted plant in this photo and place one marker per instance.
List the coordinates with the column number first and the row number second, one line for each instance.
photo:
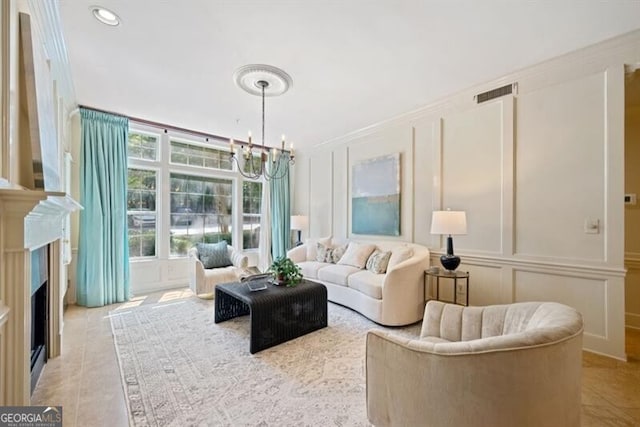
column 286, row 271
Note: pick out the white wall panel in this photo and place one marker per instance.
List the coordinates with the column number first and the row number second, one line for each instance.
column 472, row 145
column 586, row 295
column 560, row 169
column 320, row 194
column 340, row 190
column 426, row 134
column 397, row 139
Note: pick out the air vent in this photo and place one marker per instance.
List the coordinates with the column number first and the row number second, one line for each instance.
column 494, row 93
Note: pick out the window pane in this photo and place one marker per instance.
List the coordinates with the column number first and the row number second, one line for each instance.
column 194, row 155
column 142, row 146
column 251, row 205
column 201, row 211
column 141, row 212
column 252, row 167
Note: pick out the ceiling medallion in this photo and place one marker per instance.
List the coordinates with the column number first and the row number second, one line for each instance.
column 248, row 78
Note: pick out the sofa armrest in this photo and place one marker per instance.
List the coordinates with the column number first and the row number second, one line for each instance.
column 298, row 254
column 196, row 269
column 238, row 259
column 403, row 291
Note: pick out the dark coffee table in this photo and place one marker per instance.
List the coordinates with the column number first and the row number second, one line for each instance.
column 278, row 313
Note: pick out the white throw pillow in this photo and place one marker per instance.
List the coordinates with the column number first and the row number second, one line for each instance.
column 399, row 254
column 357, row 254
column 312, row 249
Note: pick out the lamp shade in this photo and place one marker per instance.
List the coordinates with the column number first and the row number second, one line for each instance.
column 299, row 222
column 449, row 222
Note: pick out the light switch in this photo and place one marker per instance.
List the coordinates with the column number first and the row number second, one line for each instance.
column 591, row 226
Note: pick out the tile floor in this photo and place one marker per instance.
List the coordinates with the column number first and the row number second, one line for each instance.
column 85, row 379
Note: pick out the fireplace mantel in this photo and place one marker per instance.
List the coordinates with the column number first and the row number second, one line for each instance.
column 29, row 219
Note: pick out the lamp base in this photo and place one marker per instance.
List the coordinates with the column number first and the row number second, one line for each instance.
column 450, row 262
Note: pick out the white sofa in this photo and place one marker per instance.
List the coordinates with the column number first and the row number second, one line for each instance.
column 393, row 299
column 501, row 366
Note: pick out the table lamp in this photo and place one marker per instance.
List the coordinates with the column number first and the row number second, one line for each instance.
column 299, row 223
column 449, row 223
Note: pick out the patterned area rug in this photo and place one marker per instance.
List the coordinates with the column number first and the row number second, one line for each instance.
column 179, row 368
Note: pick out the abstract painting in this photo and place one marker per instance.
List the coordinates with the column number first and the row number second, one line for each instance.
column 375, row 196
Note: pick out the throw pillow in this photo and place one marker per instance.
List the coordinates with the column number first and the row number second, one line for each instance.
column 312, row 246
column 357, row 254
column 214, row 255
column 378, row 261
column 337, row 253
column 399, row 254
column 323, row 253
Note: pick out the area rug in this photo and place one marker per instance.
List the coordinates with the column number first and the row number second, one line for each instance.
column 179, row 368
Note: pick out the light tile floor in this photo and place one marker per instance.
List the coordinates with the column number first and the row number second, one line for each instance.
column 85, row 379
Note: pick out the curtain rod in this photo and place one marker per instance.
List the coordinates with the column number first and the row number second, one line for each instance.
column 166, row 127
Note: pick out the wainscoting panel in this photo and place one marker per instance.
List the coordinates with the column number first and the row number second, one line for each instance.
column 560, row 170
column 472, row 146
column 584, row 294
column 632, row 290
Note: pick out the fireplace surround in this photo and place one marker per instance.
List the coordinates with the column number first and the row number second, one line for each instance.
column 29, row 220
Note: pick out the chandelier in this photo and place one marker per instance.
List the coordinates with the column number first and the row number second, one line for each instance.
column 259, row 160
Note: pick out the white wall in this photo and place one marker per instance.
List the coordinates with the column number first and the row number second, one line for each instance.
column 529, row 169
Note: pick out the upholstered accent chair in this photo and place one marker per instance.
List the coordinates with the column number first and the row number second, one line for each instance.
column 203, row 280
column 504, row 365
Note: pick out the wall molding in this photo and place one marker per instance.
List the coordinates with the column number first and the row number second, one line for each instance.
column 632, row 260
column 632, row 320
column 572, row 269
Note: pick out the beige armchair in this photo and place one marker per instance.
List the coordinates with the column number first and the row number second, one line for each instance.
column 202, row 281
column 503, row 365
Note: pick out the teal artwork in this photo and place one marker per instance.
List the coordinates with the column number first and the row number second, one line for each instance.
column 375, row 196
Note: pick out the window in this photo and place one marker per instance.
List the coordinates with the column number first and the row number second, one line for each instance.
column 251, row 209
column 141, row 212
column 142, row 146
column 256, row 160
column 182, row 192
column 201, row 211
column 194, row 155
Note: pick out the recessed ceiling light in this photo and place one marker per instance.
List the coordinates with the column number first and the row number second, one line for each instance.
column 105, row 16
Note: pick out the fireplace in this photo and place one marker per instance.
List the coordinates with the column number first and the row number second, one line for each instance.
column 39, row 312
column 31, row 232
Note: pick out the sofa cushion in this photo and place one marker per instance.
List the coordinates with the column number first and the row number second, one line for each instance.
column 337, row 274
column 214, row 255
column 398, row 255
column 368, row 283
column 310, row 268
column 221, row 275
column 312, row 248
column 378, row 261
column 357, row 254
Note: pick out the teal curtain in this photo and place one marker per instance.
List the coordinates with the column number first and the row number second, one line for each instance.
column 280, row 211
column 103, row 249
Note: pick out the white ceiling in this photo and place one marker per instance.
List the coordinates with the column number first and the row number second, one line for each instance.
column 353, row 62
